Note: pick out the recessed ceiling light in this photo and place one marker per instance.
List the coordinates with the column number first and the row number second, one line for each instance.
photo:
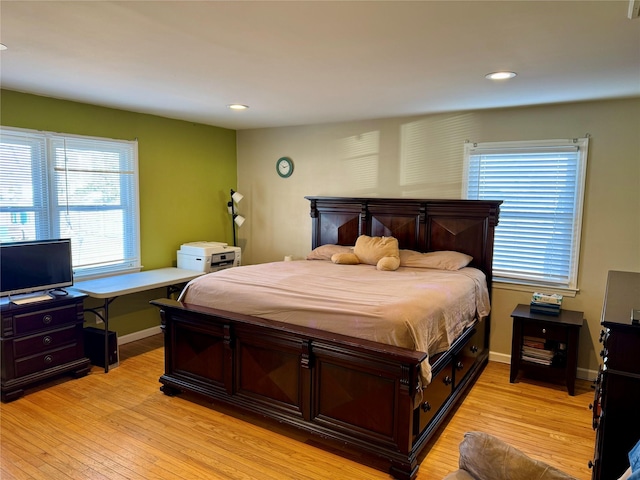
column 500, row 75
column 237, row 106
column 3, row 46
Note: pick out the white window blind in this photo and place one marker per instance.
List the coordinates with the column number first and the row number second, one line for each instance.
column 67, row 186
column 537, row 240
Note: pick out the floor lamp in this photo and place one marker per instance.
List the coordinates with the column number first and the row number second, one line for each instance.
column 236, row 219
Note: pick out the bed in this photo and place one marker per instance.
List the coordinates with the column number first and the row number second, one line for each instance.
column 384, row 398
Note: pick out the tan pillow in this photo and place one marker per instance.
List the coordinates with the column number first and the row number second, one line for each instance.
column 371, row 250
column 345, row 259
column 442, row 260
column 325, row 252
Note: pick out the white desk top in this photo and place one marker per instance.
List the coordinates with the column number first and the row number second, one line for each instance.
column 117, row 285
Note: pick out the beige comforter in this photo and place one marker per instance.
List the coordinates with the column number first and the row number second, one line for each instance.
column 416, row 308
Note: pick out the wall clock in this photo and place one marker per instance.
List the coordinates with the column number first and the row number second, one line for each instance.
column 284, row 167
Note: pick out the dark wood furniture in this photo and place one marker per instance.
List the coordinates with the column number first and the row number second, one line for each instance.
column 616, row 403
column 39, row 341
column 560, row 335
column 343, row 389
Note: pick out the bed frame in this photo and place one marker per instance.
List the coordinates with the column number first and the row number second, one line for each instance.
column 359, row 393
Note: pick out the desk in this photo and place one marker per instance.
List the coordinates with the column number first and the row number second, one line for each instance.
column 109, row 288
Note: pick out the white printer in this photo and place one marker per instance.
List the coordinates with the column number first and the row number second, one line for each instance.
column 208, row 256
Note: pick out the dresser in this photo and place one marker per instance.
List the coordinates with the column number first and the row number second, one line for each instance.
column 616, row 405
column 39, row 341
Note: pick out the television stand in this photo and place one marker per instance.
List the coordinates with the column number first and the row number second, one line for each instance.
column 39, row 341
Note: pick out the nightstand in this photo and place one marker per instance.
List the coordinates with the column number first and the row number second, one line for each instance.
column 545, row 345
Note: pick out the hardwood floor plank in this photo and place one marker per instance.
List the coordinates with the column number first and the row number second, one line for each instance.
column 119, row 426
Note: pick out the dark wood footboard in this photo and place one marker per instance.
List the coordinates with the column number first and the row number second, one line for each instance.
column 359, row 393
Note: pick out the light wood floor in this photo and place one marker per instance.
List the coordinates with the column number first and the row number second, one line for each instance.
column 120, row 426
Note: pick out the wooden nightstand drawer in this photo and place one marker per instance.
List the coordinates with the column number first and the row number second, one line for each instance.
column 45, row 319
column 545, row 330
column 45, row 360
column 45, row 341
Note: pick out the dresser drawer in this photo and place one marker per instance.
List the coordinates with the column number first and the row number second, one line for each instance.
column 45, row 319
column 621, row 350
column 45, row 360
column 45, row 341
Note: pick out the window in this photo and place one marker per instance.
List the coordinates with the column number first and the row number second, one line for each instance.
column 541, row 183
column 66, row 186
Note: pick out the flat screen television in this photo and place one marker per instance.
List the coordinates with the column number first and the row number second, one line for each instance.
column 35, row 266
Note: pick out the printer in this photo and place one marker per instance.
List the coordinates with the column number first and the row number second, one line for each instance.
column 208, row 256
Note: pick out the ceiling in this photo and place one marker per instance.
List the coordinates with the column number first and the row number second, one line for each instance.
column 310, row 62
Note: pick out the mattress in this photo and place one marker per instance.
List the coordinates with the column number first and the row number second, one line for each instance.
column 421, row 309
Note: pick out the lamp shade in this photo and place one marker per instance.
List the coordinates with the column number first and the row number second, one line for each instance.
column 237, row 197
column 239, row 219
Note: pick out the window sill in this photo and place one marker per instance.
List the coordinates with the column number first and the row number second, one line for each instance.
column 112, row 273
column 531, row 288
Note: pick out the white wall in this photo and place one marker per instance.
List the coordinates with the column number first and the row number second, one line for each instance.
column 421, row 157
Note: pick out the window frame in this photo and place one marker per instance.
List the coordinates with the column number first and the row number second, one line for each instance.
column 519, row 282
column 46, row 181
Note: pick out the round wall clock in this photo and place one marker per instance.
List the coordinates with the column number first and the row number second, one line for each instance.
column 284, row 167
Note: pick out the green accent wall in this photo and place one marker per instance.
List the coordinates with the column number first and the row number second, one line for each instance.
column 185, row 173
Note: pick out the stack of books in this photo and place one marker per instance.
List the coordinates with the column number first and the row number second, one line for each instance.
column 533, row 350
column 546, row 303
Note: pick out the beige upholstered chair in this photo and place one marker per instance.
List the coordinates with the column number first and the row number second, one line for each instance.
column 484, row 457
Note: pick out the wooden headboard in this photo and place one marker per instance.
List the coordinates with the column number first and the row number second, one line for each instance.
column 465, row 226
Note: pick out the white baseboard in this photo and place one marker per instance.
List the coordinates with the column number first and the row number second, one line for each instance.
column 132, row 337
column 582, row 373
column 499, row 357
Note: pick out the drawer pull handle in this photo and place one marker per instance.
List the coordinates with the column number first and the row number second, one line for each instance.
column 47, row 340
column 48, row 359
column 474, row 349
column 47, row 319
column 459, row 365
column 426, row 407
column 590, row 464
column 544, row 330
column 447, row 380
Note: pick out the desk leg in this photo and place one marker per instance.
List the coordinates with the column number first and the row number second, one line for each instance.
column 104, row 316
column 106, row 334
column 171, row 289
